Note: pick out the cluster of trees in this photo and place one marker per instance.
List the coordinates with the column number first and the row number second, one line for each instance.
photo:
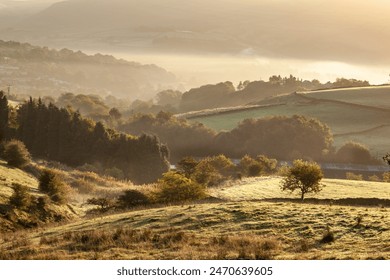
column 87, row 105
column 182, row 137
column 225, row 94
column 213, row 170
column 63, row 135
column 281, row 137
column 208, row 96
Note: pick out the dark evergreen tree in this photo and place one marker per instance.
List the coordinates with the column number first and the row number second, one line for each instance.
column 63, row 135
column 4, row 115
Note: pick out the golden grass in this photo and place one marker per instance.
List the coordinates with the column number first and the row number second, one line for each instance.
column 231, row 230
column 241, row 226
column 9, row 176
column 268, row 187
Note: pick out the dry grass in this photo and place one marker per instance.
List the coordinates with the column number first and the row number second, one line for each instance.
column 9, row 176
column 232, row 230
column 242, row 226
column 268, row 188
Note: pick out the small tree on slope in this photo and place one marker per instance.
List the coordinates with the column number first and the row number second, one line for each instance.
column 303, row 176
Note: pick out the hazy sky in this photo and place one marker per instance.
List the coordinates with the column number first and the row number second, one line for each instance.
column 321, row 39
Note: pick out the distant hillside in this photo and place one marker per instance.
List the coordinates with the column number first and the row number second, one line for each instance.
column 356, row 114
column 33, row 70
column 373, row 96
column 267, row 28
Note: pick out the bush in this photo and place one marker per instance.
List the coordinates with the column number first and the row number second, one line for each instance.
column 206, row 174
column 51, row 184
column 211, row 171
column 20, row 199
column 254, row 170
column 386, row 177
column 245, row 163
column 268, row 165
column 103, row 202
column 16, row 154
column 115, row 173
column 353, row 176
column 132, row 198
column 374, row 178
column 186, row 166
column 262, row 165
column 174, row 187
column 328, row 236
column 303, row 176
column 352, row 152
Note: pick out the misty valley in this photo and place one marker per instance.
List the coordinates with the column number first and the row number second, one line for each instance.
column 199, row 131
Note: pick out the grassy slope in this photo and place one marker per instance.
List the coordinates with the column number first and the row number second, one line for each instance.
column 8, row 176
column 372, row 96
column 234, row 228
column 352, row 114
column 268, row 188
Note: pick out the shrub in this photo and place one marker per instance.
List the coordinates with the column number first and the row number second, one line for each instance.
column 386, row 177
column 20, row 199
column 353, row 176
column 303, row 176
column 115, row 173
column 328, row 236
column 211, row 171
column 187, row 166
column 352, row 152
column 254, row 170
column 374, row 178
column 42, row 203
column 245, row 163
column 16, row 154
column 205, row 174
column 131, row 198
column 174, row 187
column 268, row 165
column 262, row 165
column 103, row 202
column 51, row 184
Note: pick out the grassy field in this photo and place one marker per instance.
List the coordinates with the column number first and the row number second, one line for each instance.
column 371, row 96
column 358, row 114
column 268, row 188
column 236, row 225
column 8, row 176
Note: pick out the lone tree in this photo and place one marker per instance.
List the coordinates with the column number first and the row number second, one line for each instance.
column 304, row 176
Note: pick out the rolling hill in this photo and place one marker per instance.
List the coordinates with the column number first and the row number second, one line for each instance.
column 266, row 28
column 40, row 71
column 356, row 114
column 237, row 224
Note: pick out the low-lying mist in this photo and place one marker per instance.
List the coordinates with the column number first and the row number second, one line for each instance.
column 196, row 70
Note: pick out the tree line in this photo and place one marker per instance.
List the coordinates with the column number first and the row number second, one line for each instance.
column 63, row 135
column 281, row 137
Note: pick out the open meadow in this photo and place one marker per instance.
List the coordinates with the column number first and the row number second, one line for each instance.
column 248, row 219
column 355, row 114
